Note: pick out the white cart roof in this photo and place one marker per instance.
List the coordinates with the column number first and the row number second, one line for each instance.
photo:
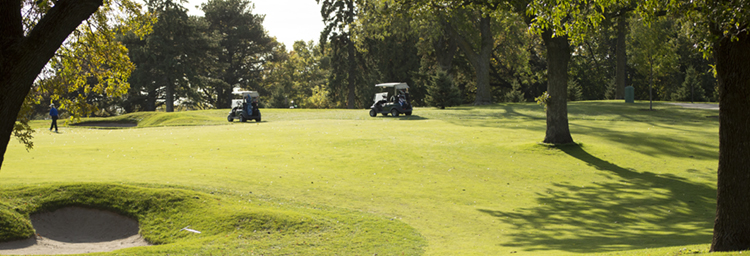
column 245, row 93
column 397, row 85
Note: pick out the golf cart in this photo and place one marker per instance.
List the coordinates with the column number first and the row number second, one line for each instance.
column 244, row 106
column 397, row 103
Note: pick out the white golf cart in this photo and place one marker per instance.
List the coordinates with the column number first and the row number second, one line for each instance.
column 397, row 103
column 245, row 106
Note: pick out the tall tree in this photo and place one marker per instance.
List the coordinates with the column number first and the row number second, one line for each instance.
column 728, row 40
column 466, row 25
column 653, row 53
column 621, row 54
column 479, row 56
column 558, row 57
column 545, row 20
column 243, row 48
column 338, row 16
column 26, row 45
column 168, row 59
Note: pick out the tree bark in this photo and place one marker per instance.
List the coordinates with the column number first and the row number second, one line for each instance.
column 151, row 99
column 351, row 70
column 22, row 58
column 622, row 58
column 732, row 224
column 169, row 97
column 479, row 60
column 558, row 56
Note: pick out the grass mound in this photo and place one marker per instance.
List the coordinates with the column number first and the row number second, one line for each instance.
column 154, row 119
column 229, row 223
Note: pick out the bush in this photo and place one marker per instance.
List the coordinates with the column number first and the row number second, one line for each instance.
column 515, row 95
column 691, row 89
column 575, row 91
column 278, row 99
column 441, row 92
column 611, row 92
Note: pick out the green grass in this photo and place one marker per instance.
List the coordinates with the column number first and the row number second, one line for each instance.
column 460, row 181
column 236, row 223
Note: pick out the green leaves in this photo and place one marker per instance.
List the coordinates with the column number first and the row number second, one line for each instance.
column 90, row 64
column 543, row 99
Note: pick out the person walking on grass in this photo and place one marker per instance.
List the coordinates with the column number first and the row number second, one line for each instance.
column 53, row 114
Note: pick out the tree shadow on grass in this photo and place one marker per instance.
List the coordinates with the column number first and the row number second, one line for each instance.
column 632, row 210
column 655, row 144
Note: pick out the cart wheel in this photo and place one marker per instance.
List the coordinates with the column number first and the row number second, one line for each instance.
column 257, row 120
column 408, row 113
column 373, row 113
column 394, row 112
column 229, row 118
column 242, row 118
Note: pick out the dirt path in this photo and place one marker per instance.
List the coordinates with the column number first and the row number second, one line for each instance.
column 697, row 105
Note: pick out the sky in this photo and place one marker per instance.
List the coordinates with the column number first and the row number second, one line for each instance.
column 287, row 20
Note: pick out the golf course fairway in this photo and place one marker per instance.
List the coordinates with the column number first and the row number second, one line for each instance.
column 460, row 181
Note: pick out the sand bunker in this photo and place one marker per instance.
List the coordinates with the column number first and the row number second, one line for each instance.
column 73, row 230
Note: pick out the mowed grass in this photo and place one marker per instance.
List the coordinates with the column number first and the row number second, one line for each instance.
column 468, row 180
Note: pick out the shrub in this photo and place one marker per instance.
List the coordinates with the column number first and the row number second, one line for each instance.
column 691, row 89
column 515, row 95
column 611, row 92
column 441, row 92
column 575, row 92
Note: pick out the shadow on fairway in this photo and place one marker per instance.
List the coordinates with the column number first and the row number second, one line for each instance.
column 594, row 111
column 403, row 117
column 644, row 142
column 510, row 111
column 655, row 145
column 633, row 210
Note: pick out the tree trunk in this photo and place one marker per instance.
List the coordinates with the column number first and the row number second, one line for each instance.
column 558, row 55
column 351, row 74
column 22, row 58
column 169, row 95
column 352, row 60
column 622, row 58
column 151, row 99
column 479, row 60
column 732, row 224
column 445, row 49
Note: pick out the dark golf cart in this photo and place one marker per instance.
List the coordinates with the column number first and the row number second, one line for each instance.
column 246, row 107
column 396, row 103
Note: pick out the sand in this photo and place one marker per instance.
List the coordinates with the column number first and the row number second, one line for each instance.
column 74, row 230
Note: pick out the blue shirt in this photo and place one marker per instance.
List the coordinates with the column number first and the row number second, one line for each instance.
column 53, row 111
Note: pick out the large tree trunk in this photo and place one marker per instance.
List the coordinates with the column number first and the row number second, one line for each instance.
column 479, row 60
column 22, row 58
column 732, row 225
column 558, row 55
column 622, row 58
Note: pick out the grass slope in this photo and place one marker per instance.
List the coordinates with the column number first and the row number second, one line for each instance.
column 470, row 180
column 229, row 223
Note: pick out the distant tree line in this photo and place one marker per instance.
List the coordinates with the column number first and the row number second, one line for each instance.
column 191, row 62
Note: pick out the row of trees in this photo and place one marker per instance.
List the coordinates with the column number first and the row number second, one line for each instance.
column 486, row 50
